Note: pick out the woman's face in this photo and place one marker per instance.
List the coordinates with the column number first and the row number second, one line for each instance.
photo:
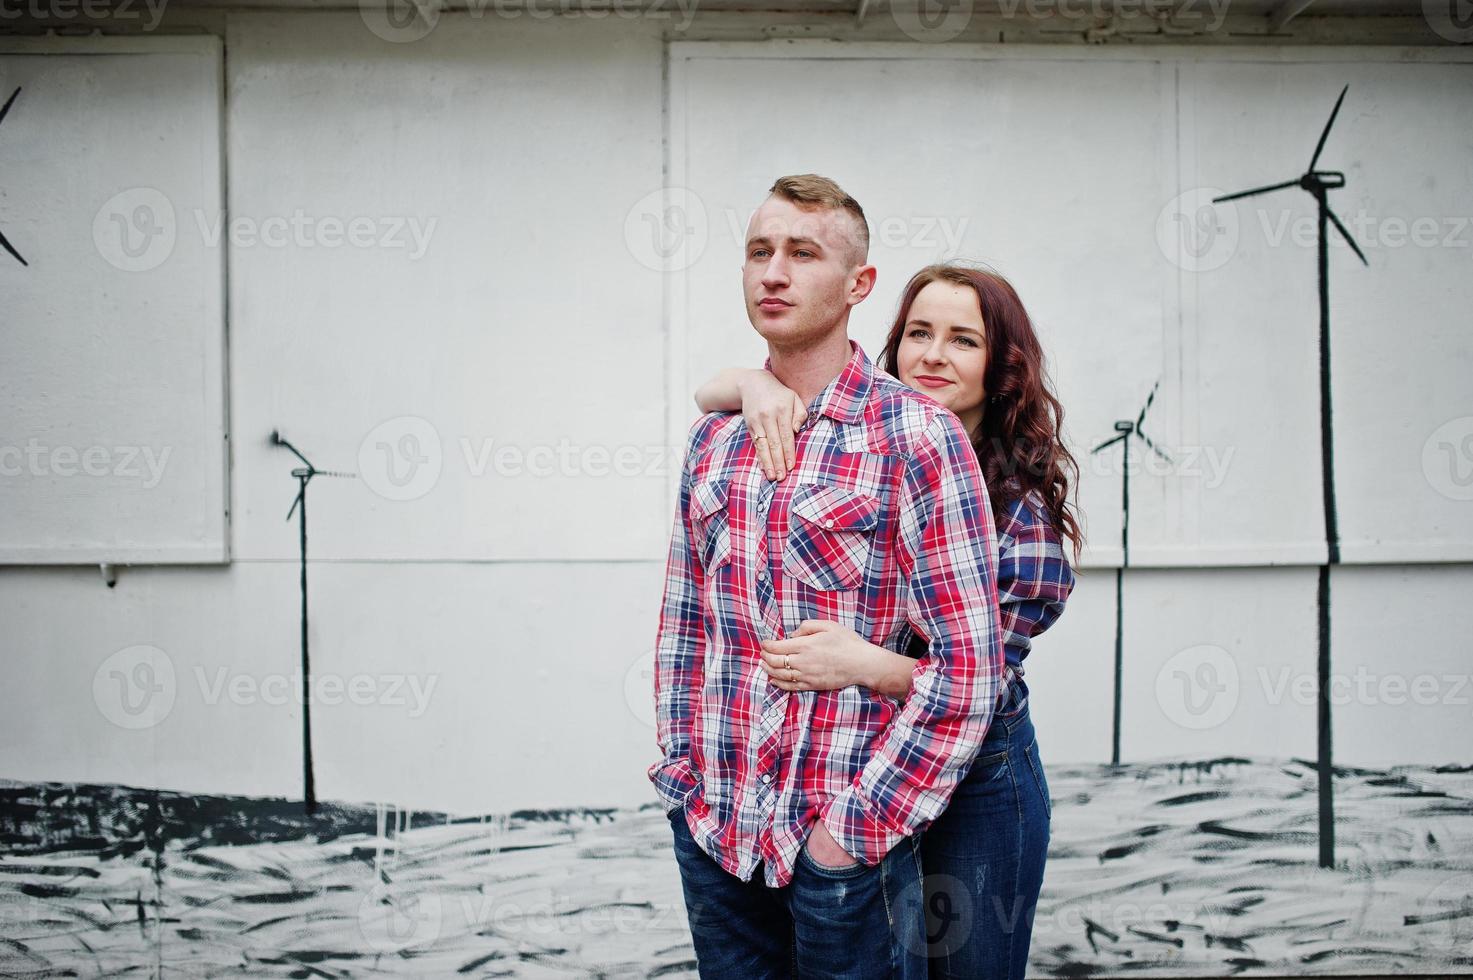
column 943, row 349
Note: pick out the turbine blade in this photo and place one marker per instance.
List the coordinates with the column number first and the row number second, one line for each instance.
column 1256, row 190
column 4, row 243
column 1154, row 448
column 1147, row 406
column 1346, row 232
column 1109, row 442
column 8, row 102
column 1325, row 135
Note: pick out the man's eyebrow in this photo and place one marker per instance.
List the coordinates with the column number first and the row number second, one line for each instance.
column 800, row 241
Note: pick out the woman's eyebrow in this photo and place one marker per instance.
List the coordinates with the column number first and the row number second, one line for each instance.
column 955, row 326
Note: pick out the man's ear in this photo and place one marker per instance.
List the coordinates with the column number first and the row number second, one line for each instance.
column 863, row 282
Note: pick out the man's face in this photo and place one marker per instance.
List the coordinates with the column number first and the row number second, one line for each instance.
column 800, row 275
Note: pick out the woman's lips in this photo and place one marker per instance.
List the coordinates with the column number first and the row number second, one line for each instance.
column 932, row 382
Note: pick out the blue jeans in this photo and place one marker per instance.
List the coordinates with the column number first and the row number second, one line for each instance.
column 859, row 922
column 984, row 859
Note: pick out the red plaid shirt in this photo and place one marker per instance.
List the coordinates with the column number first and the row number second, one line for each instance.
column 883, row 523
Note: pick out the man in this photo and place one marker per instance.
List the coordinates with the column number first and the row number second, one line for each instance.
column 883, row 522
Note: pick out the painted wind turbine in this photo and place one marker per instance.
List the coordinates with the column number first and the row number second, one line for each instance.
column 1319, row 183
column 4, row 242
column 1127, row 430
column 304, row 476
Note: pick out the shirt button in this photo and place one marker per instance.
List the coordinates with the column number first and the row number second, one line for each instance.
column 767, row 777
column 828, row 523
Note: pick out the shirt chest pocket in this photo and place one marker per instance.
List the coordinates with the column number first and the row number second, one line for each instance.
column 710, row 523
column 831, row 537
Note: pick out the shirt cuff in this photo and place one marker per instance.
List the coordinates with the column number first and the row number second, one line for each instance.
column 858, row 829
column 674, row 782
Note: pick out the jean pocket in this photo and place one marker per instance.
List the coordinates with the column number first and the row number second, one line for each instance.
column 991, row 759
column 825, row 871
column 1035, row 765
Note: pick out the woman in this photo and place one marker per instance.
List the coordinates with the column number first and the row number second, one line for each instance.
column 962, row 336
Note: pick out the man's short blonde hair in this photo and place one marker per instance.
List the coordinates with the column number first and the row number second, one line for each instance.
column 813, row 191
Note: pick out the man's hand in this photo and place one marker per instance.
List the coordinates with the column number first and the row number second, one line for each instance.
column 826, row 851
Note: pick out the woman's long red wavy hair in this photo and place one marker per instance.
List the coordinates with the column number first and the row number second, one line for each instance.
column 1017, row 443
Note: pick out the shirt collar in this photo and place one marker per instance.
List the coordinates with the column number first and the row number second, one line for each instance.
column 843, row 399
